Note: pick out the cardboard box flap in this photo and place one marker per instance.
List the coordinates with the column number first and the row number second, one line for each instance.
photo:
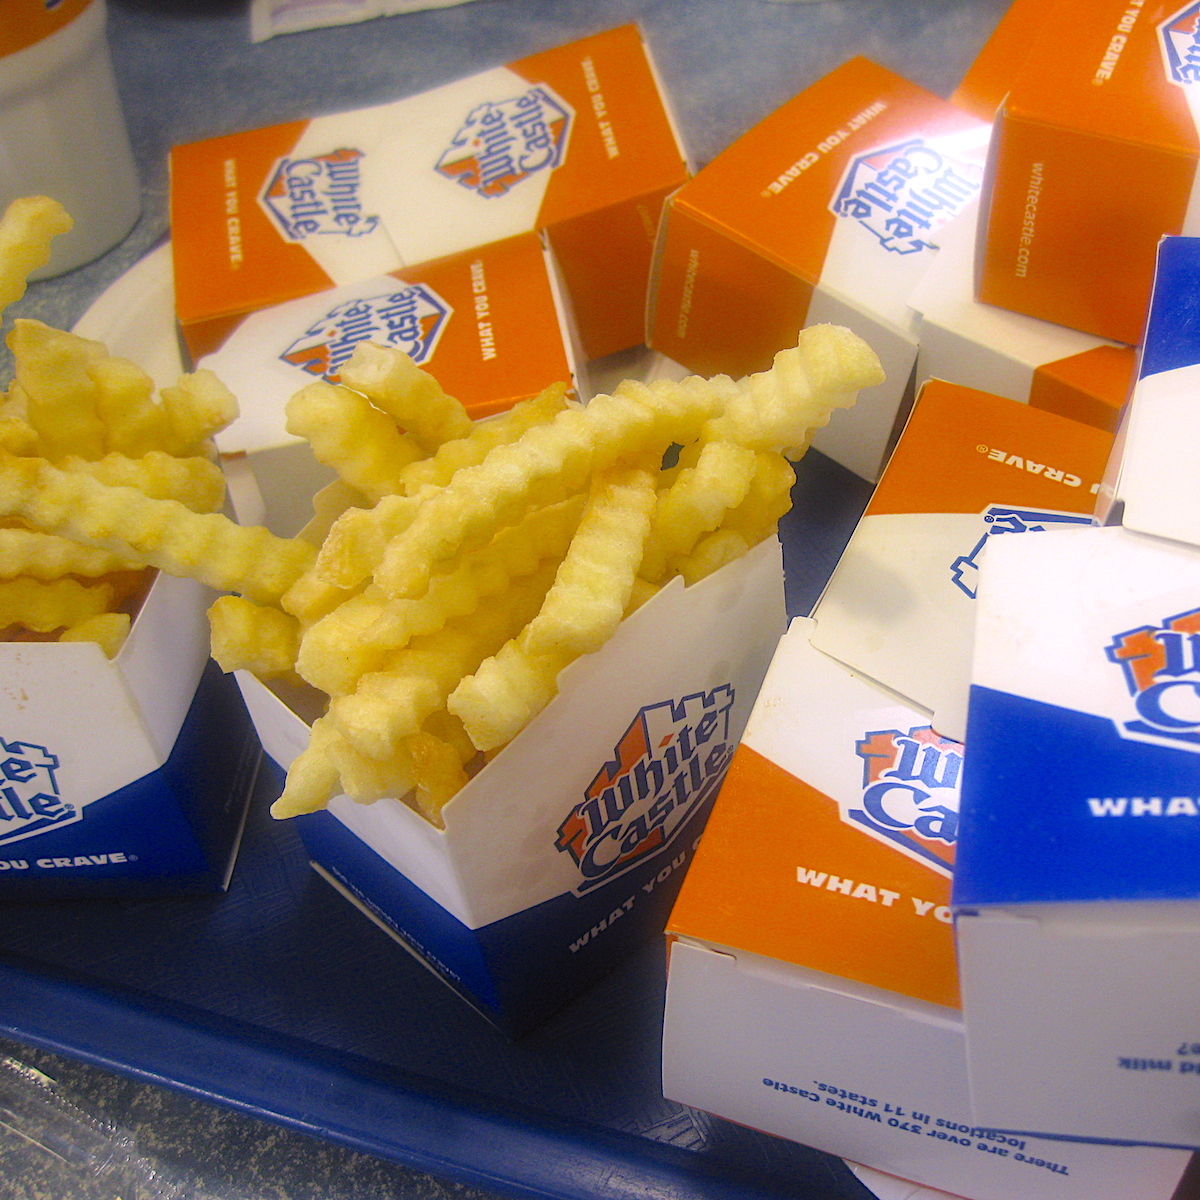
column 900, row 606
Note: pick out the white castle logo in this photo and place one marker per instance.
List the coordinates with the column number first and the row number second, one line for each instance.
column 905, row 192
column 29, row 799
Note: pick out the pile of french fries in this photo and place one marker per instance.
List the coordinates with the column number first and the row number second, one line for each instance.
column 453, row 569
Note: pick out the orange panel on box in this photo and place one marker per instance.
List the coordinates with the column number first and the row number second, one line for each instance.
column 223, row 244
column 745, row 889
column 1094, row 159
column 944, row 427
column 615, row 152
column 504, row 341
column 605, row 258
column 719, row 307
column 1085, row 258
column 1089, row 387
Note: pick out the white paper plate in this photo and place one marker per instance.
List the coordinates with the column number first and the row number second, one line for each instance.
column 135, row 318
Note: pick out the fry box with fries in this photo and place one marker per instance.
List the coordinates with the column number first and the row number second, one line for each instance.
column 1046, row 366
column 128, row 758
column 489, row 323
column 512, row 657
column 1081, row 803
column 576, row 142
column 828, row 210
column 812, row 990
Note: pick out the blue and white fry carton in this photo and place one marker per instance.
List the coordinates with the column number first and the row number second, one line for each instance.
column 565, row 852
column 129, row 776
column 1077, row 893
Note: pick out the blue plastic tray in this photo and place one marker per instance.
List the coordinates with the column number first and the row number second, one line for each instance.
column 280, row 999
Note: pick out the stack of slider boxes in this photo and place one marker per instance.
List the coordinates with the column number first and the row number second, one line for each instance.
column 944, row 920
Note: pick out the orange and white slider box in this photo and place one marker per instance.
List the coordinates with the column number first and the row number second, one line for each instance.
column 1047, row 366
column 1094, row 158
column 827, row 210
column 576, row 141
column 969, row 466
column 812, row 990
column 490, row 323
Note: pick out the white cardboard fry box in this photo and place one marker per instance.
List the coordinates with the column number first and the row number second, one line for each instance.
column 811, row 986
column 123, row 777
column 1081, row 807
column 1046, row 366
column 576, row 142
column 1094, row 158
column 969, row 466
column 827, row 210
column 564, row 853
column 489, row 323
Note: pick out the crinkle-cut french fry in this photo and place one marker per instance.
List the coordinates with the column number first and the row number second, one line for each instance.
column 48, row 556
column 505, row 694
column 701, row 495
column 365, row 779
column 711, row 553
column 60, row 397
column 549, row 462
column 309, row 598
column 56, row 604
column 641, row 591
column 28, row 226
column 439, row 772
column 354, row 638
column 695, row 503
column 196, row 482
column 356, row 543
column 17, row 436
column 468, row 451
column 595, row 579
column 329, row 503
column 346, row 433
column 312, row 779
column 767, row 501
column 446, row 727
column 391, row 703
column 411, row 397
column 778, row 409
column 333, row 653
column 108, row 630
column 516, row 550
column 253, row 637
column 357, row 539
column 159, row 533
column 198, row 406
column 133, row 422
